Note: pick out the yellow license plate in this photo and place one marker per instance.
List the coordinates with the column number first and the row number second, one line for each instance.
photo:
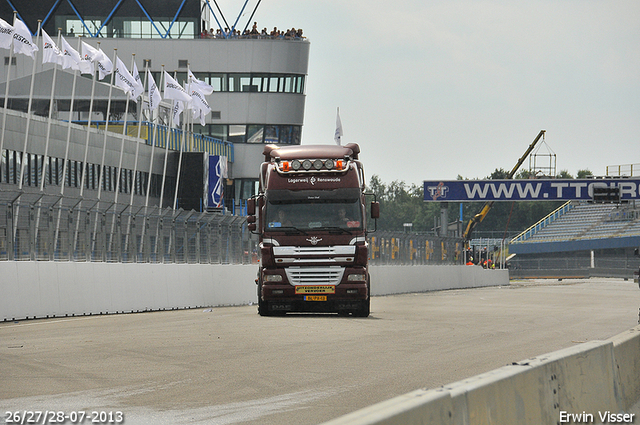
column 315, row 297
column 316, row 289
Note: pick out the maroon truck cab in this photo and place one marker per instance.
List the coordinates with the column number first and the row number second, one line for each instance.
column 311, row 218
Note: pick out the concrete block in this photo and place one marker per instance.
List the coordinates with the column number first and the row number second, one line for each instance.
column 626, row 350
column 418, row 407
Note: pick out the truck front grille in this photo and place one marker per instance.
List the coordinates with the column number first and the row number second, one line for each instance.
column 314, row 275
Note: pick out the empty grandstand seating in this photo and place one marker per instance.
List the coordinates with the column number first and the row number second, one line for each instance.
column 586, row 221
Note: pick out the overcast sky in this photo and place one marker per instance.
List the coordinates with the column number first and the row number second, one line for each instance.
column 436, row 89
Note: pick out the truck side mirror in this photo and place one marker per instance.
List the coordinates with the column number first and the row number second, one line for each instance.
column 251, row 207
column 375, row 209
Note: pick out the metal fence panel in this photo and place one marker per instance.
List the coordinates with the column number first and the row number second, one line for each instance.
column 52, row 228
column 55, row 229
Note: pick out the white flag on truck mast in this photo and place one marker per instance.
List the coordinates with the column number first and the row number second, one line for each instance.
column 338, row 135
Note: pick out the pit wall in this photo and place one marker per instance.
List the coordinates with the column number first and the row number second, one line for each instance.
column 40, row 289
column 597, row 380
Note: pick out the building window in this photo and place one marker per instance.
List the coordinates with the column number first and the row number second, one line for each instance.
column 3, row 166
column 241, row 82
column 217, row 81
column 255, row 133
column 237, row 133
column 245, row 188
column 218, row 131
column 271, row 134
column 6, row 60
column 274, row 84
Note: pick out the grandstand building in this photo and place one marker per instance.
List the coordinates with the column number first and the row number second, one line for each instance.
column 259, row 98
column 580, row 239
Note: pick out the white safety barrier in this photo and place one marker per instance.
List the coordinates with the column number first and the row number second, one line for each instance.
column 388, row 280
column 36, row 289
column 594, row 382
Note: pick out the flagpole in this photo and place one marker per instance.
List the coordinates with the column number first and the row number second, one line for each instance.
column 181, row 147
column 106, row 127
column 26, row 133
column 135, row 162
column 338, row 133
column 119, row 171
column 153, row 142
column 66, row 153
column 63, row 182
column 53, row 88
column 86, row 143
column 124, row 132
column 6, row 90
column 166, row 148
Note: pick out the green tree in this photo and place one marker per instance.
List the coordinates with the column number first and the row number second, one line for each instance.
column 584, row 174
column 564, row 174
column 499, row 174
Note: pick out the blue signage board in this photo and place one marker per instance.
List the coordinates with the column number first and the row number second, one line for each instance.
column 215, row 185
column 526, row 190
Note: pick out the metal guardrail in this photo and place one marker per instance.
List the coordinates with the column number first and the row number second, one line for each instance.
column 54, row 229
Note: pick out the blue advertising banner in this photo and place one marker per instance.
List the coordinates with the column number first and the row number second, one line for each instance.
column 526, row 190
column 217, row 172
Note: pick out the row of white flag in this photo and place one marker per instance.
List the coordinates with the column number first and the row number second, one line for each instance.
column 192, row 98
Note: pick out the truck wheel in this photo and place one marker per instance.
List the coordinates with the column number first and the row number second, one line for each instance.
column 364, row 309
column 263, row 310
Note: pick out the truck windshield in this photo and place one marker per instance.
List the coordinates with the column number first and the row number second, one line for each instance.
column 306, row 215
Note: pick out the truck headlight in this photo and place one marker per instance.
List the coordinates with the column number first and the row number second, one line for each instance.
column 272, row 278
column 356, row 277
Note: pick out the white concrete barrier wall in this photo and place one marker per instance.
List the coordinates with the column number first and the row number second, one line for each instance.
column 626, row 349
column 34, row 289
column 597, row 381
column 387, row 280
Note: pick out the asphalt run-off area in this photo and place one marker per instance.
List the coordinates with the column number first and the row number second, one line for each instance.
column 228, row 365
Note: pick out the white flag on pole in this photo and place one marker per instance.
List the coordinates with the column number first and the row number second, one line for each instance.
column 105, row 66
column 154, row 93
column 50, row 52
column 203, row 87
column 22, row 41
column 173, row 90
column 338, row 135
column 124, row 79
column 6, row 34
column 177, row 110
column 136, row 76
column 70, row 56
column 90, row 55
column 199, row 105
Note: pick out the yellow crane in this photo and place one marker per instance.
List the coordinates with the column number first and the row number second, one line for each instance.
column 477, row 219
